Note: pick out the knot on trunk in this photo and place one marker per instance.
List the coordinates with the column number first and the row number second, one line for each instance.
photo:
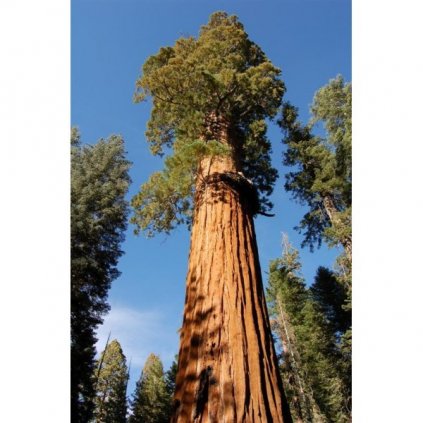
column 239, row 183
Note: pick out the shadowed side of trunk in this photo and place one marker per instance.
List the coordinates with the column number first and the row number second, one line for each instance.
column 227, row 368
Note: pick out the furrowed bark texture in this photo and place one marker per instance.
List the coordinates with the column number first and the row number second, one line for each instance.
column 227, row 370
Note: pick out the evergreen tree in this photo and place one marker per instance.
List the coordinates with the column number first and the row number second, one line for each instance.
column 211, row 97
column 287, row 296
column 322, row 179
column 170, row 377
column 111, row 381
column 151, row 398
column 200, row 88
column 331, row 297
column 312, row 363
column 99, row 182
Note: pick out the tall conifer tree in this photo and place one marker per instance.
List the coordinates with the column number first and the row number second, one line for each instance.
column 110, row 382
column 287, row 296
column 312, row 363
column 151, row 399
column 322, row 179
column 211, row 96
column 170, row 378
column 331, row 297
column 99, row 182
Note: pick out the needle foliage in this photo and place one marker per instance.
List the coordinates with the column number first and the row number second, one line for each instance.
column 220, row 74
column 151, row 400
column 321, row 179
column 313, row 367
column 99, row 182
column 111, row 381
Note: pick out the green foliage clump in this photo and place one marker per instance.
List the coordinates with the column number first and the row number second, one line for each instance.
column 151, row 400
column 223, row 76
column 111, row 382
column 99, row 182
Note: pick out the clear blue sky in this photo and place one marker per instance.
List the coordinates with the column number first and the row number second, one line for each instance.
column 310, row 40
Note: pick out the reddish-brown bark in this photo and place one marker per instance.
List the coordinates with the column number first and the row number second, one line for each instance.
column 227, row 369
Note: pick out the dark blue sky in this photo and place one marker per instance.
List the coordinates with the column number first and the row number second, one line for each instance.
column 310, row 40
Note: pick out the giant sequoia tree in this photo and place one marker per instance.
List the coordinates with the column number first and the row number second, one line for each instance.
column 211, row 96
column 98, row 219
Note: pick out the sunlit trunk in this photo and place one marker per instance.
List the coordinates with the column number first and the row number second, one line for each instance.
column 227, row 370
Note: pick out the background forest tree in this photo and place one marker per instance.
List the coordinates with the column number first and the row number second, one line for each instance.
column 323, row 169
column 152, row 399
column 322, row 177
column 313, row 368
column 314, row 324
column 99, row 182
column 111, row 380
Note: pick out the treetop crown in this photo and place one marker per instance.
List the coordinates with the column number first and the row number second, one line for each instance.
column 211, row 96
column 220, row 73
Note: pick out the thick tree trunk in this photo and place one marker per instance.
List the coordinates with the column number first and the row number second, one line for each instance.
column 227, row 370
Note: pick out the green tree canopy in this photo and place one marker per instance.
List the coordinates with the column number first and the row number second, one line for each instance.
column 196, row 86
column 99, row 182
column 111, row 382
column 322, row 176
column 151, row 398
